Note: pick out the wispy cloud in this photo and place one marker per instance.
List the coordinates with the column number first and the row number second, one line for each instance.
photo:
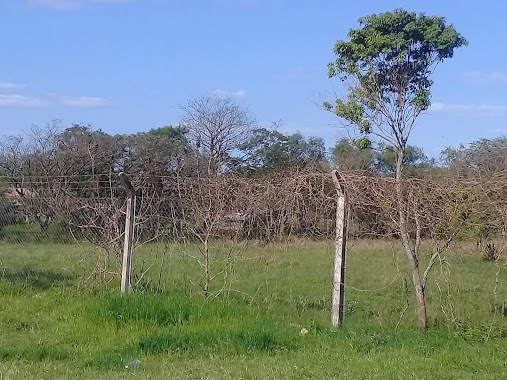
column 71, row 4
column 21, row 101
column 83, row 102
column 11, row 86
column 477, row 109
column 231, row 94
column 486, row 77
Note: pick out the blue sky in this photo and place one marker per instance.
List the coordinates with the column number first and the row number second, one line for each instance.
column 124, row 66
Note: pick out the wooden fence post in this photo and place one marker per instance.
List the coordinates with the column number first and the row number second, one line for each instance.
column 340, row 257
column 128, row 244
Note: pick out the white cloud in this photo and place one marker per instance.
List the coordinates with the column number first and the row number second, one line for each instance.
column 16, row 100
column 10, row 86
column 232, row 94
column 82, row 102
column 484, row 77
column 49, row 99
column 477, row 109
column 21, row 101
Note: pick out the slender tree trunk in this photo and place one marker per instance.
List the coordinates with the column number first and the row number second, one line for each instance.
column 206, row 268
column 410, row 249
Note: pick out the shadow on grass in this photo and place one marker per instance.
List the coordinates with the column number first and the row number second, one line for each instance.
column 36, row 278
column 34, row 354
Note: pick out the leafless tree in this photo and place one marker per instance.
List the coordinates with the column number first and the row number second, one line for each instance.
column 217, row 125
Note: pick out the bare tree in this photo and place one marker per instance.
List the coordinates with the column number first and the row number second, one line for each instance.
column 217, row 125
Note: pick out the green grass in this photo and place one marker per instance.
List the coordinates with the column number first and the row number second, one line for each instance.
column 59, row 319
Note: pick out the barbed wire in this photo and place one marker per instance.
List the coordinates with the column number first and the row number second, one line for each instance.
column 267, row 209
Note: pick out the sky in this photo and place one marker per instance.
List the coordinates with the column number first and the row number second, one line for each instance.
column 126, row 66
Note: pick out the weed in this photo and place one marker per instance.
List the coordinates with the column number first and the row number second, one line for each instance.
column 154, row 309
column 490, row 253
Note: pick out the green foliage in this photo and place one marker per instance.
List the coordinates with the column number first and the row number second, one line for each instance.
column 350, row 156
column 161, row 150
column 176, row 134
column 354, row 113
column 363, row 143
column 389, row 60
column 415, row 161
column 159, row 311
column 270, row 150
column 358, row 155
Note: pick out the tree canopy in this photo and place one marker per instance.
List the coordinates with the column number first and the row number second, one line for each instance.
column 387, row 63
column 484, row 156
column 381, row 161
column 270, row 149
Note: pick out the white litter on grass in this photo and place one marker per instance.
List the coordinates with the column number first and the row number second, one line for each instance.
column 134, row 363
column 303, row 331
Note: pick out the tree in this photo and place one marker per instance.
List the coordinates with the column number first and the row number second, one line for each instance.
column 160, row 151
column 268, row 150
column 387, row 63
column 348, row 156
column 29, row 162
column 415, row 161
column 483, row 156
column 216, row 126
column 85, row 157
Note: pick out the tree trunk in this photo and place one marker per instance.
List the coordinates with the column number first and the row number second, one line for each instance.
column 410, row 249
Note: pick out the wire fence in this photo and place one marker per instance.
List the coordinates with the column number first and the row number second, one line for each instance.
column 264, row 240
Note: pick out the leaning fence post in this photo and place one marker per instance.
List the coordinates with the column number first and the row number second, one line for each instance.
column 128, row 244
column 338, row 295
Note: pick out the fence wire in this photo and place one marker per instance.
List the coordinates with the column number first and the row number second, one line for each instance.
column 264, row 240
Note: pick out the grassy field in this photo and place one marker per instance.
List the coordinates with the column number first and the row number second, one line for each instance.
column 58, row 321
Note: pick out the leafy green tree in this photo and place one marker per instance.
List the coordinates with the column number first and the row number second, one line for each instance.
column 348, row 156
column 177, row 135
column 163, row 151
column 270, row 150
column 387, row 64
column 82, row 151
column 415, row 161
